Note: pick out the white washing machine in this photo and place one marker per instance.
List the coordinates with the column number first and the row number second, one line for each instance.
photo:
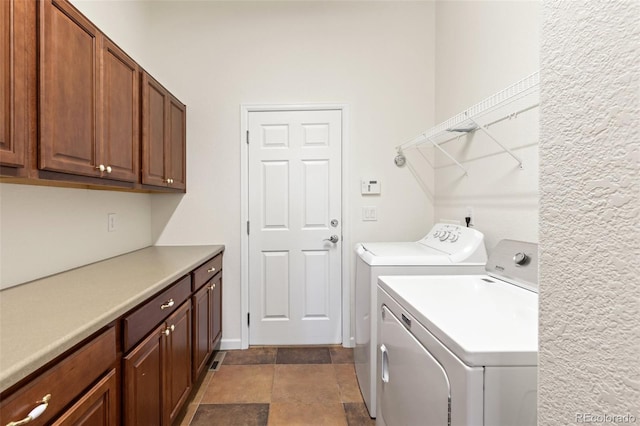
column 461, row 350
column 446, row 249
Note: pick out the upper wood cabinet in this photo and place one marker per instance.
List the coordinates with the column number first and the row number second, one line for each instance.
column 88, row 98
column 120, row 113
column 77, row 110
column 16, row 34
column 163, row 136
column 69, row 90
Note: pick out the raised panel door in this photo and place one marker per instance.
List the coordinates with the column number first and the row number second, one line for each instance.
column 177, row 144
column 178, row 365
column 144, row 368
column 294, row 192
column 97, row 407
column 201, row 329
column 216, row 311
column 14, row 80
column 69, row 96
column 6, row 18
column 120, row 115
column 154, row 127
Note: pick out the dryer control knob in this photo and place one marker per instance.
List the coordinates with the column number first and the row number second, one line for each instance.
column 520, row 258
column 444, row 235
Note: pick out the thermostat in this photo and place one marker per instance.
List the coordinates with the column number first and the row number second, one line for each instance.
column 370, row 186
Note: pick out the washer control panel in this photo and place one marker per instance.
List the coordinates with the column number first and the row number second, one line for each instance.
column 455, row 240
column 446, row 233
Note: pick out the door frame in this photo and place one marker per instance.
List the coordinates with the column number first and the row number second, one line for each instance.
column 245, row 109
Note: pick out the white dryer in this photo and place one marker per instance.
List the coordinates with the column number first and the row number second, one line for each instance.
column 446, row 249
column 461, row 350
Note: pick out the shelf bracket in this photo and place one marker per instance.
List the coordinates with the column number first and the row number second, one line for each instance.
column 466, row 173
column 488, row 133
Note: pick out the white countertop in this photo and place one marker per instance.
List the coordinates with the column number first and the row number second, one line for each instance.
column 42, row 319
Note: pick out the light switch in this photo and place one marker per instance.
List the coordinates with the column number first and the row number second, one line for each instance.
column 370, row 186
column 369, row 213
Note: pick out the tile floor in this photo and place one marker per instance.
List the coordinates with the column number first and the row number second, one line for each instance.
column 280, row 386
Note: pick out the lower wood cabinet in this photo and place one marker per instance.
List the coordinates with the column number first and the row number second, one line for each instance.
column 97, row 407
column 76, row 377
column 207, row 322
column 157, row 372
column 137, row 371
column 178, row 367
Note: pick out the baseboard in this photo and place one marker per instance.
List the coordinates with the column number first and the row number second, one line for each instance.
column 230, row 344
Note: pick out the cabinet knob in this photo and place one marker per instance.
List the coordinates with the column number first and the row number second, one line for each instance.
column 109, row 169
column 173, row 327
column 212, row 286
column 170, row 180
column 101, row 167
column 169, row 303
column 167, row 331
column 35, row 413
column 210, row 270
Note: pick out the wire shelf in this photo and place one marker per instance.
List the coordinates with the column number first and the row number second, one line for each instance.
column 468, row 120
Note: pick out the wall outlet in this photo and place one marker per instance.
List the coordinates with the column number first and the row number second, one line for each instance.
column 469, row 214
column 112, row 223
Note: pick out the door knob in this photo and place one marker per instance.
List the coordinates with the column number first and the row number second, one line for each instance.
column 334, row 239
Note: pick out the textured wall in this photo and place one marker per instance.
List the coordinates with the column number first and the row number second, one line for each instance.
column 590, row 208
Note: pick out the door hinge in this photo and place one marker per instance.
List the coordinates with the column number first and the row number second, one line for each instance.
column 248, row 319
column 248, row 227
column 247, row 137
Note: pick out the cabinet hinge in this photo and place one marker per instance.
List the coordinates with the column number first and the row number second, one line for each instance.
column 247, row 137
column 248, row 319
column 248, row 227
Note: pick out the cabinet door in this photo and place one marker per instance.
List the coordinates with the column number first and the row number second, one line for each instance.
column 201, row 329
column 143, row 378
column 216, row 311
column 177, row 144
column 154, row 126
column 13, row 82
column 120, row 114
column 178, row 365
column 69, row 94
column 97, row 407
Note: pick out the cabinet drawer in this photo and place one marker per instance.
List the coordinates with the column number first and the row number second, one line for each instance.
column 141, row 321
column 205, row 272
column 65, row 381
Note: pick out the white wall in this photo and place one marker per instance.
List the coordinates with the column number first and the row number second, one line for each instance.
column 481, row 48
column 376, row 57
column 45, row 230
column 590, row 205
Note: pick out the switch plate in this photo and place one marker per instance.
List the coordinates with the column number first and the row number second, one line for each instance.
column 369, row 213
column 112, row 223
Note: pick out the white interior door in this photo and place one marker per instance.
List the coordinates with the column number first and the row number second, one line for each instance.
column 295, row 288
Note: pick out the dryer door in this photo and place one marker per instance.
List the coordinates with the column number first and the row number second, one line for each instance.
column 413, row 387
